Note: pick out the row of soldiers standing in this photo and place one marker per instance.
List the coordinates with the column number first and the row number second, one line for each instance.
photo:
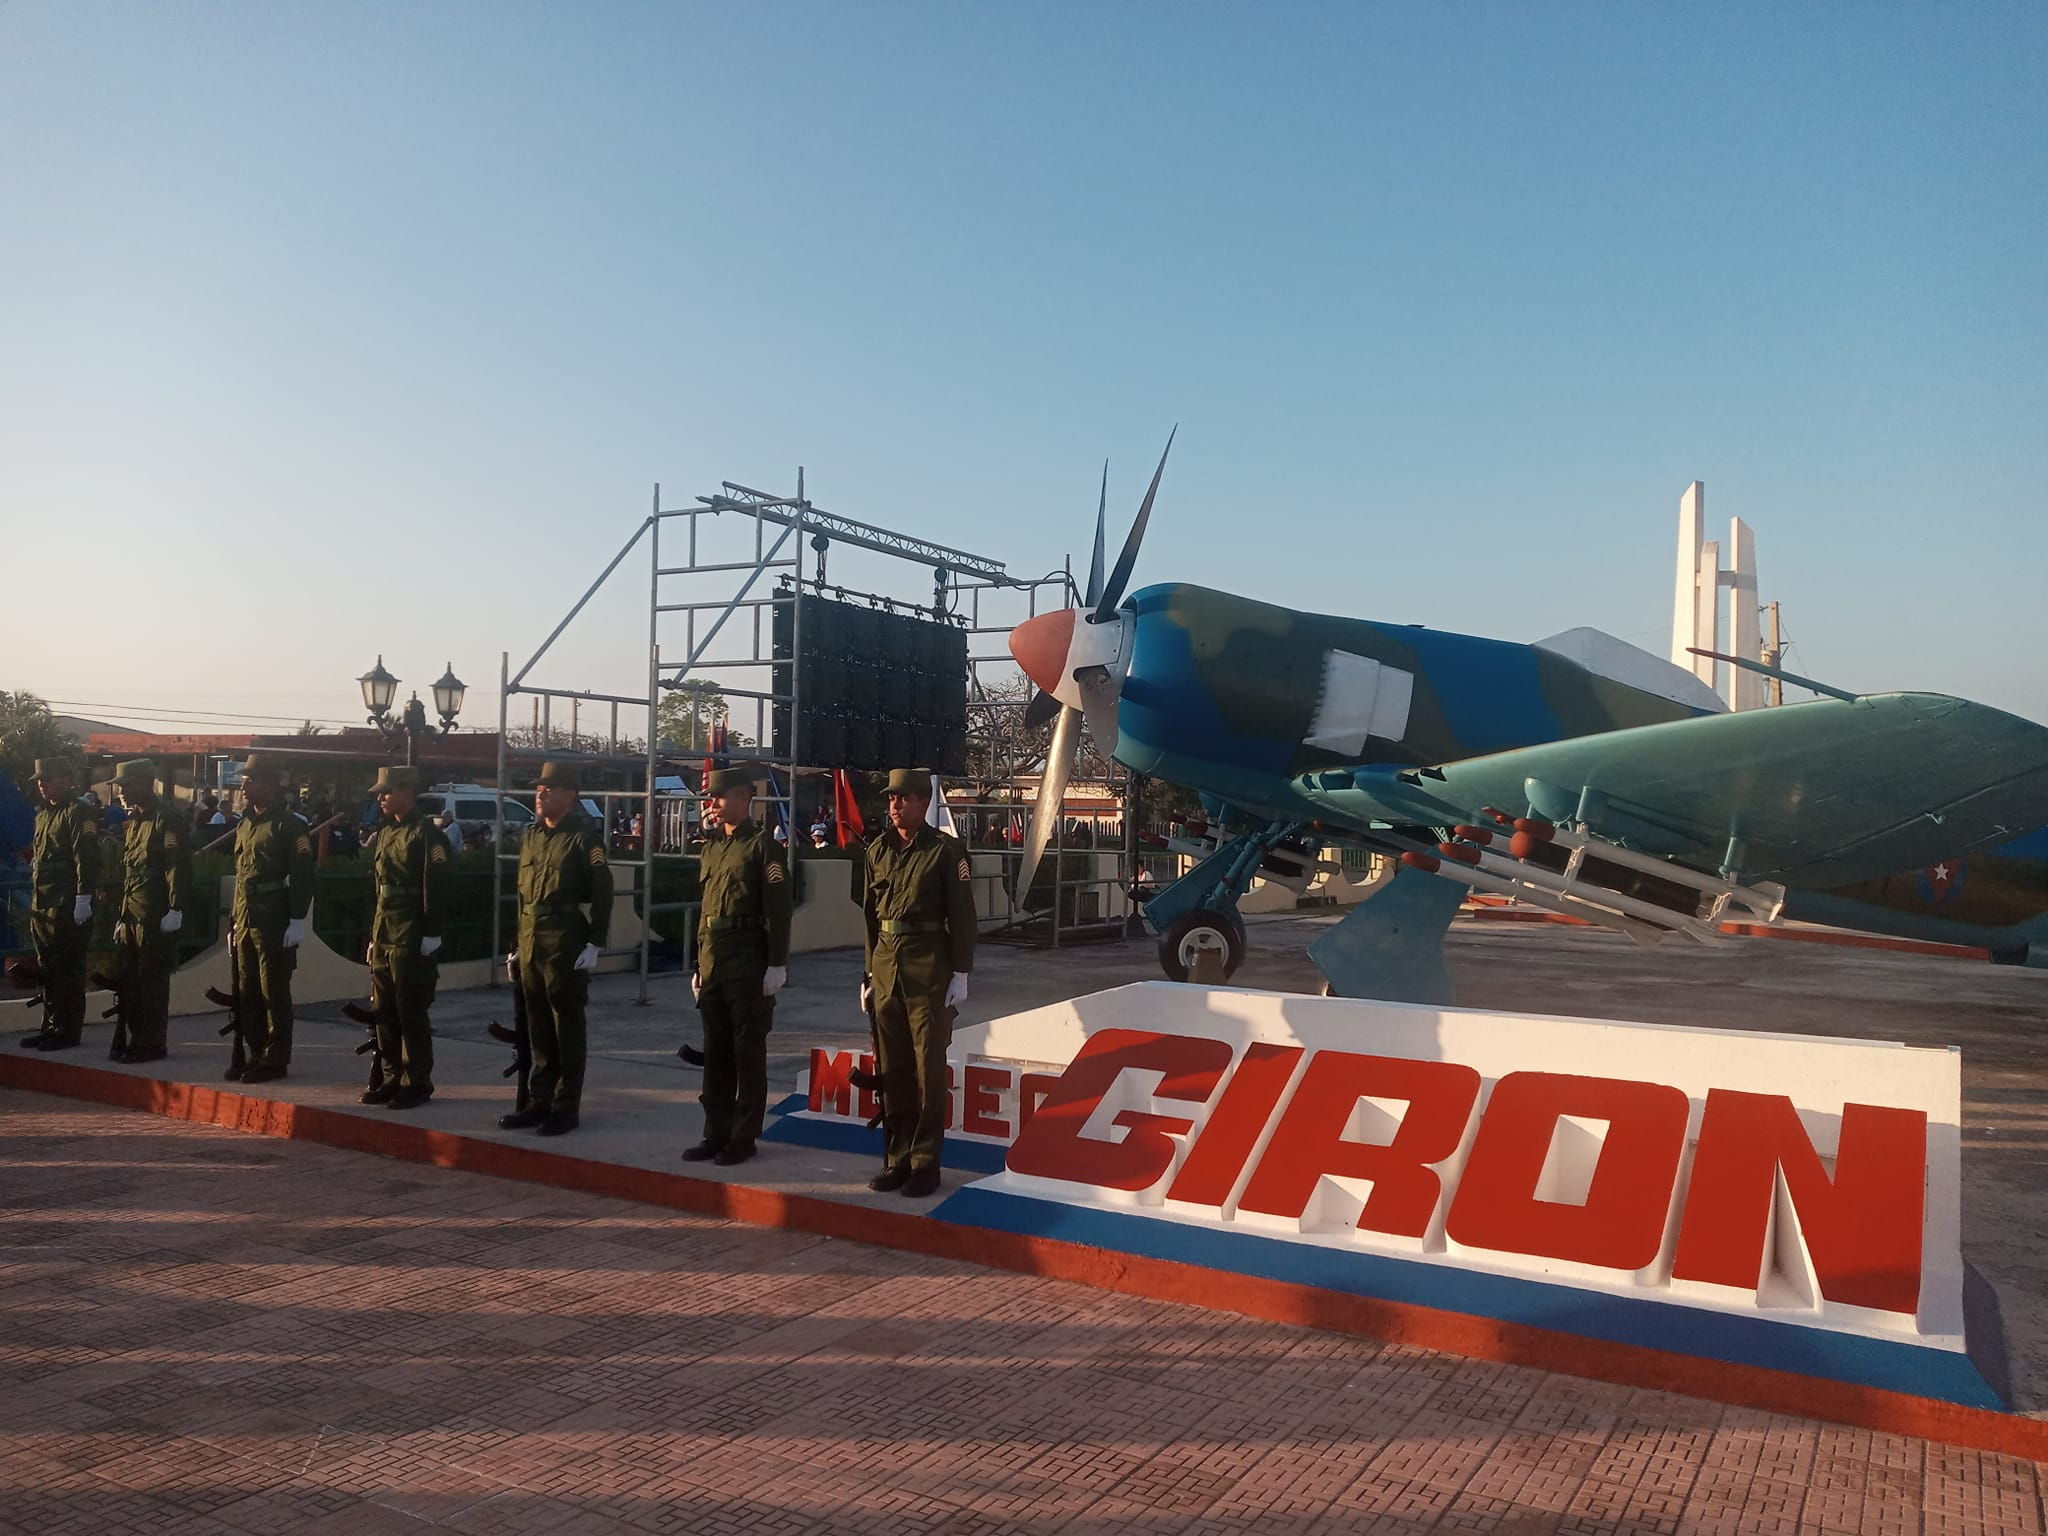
column 273, row 892
column 916, row 899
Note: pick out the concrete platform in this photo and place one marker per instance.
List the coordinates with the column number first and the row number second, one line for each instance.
column 640, row 1110
column 216, row 1333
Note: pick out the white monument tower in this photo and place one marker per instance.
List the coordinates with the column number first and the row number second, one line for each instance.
column 1696, row 609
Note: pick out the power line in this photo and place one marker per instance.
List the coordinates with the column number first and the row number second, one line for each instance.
column 160, row 712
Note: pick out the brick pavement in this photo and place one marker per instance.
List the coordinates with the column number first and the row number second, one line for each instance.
column 211, row 1331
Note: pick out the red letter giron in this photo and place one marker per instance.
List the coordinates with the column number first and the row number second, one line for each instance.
column 1051, row 1146
column 1621, row 1223
column 1862, row 1229
column 1309, row 1142
column 1218, row 1155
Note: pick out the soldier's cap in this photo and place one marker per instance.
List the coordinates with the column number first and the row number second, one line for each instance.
column 558, row 776
column 719, row 780
column 56, row 767
column 911, row 781
column 395, row 777
column 268, row 769
column 137, row 770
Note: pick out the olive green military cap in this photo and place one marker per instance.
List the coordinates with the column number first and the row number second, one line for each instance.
column 137, row 770
column 395, row 777
column 268, row 769
column 56, row 767
column 722, row 779
column 910, row 781
column 558, row 776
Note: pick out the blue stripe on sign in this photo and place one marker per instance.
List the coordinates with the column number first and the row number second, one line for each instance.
column 854, row 1136
column 1752, row 1341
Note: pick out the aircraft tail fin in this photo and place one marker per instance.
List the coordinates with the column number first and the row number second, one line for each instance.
column 1616, row 660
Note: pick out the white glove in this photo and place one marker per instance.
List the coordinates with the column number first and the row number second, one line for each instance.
column 81, row 911
column 512, row 966
column 295, row 933
column 774, row 979
column 867, row 994
column 696, row 987
column 370, row 953
column 428, row 946
column 956, row 990
column 587, row 961
column 172, row 921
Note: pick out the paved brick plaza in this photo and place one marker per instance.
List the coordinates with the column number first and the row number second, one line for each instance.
column 208, row 1331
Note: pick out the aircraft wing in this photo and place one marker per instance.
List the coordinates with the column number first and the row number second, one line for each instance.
column 1819, row 795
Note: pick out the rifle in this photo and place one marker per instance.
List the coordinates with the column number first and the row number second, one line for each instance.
column 124, row 980
column 238, row 1060
column 520, row 1038
column 367, row 1016
column 26, row 973
column 871, row 1082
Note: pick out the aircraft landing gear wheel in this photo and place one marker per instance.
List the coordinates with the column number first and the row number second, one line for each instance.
column 1192, row 932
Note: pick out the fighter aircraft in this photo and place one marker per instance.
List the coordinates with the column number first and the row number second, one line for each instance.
column 1579, row 774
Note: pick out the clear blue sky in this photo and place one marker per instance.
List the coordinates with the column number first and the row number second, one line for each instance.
column 328, row 330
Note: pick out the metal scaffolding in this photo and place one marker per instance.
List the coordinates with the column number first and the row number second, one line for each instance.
column 723, row 546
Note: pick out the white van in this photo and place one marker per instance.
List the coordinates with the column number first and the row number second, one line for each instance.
column 475, row 807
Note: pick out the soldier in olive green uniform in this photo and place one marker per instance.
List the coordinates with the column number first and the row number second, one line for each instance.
column 562, row 872
column 918, row 898
column 156, row 883
column 410, row 865
column 66, row 865
column 273, row 894
column 742, row 962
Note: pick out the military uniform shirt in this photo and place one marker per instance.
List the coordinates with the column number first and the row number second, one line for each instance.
column 66, row 856
column 743, row 924
column 156, row 864
column 561, row 869
column 412, row 874
column 273, row 871
column 924, row 891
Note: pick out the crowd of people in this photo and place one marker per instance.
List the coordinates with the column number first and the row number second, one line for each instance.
column 916, row 896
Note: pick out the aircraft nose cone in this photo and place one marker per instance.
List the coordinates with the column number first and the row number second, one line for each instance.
column 1041, row 646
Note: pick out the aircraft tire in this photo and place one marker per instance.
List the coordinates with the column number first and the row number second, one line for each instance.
column 1178, row 944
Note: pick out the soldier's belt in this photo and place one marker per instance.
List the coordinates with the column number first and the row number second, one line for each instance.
column 549, row 908
column 901, row 925
column 728, row 924
column 258, row 886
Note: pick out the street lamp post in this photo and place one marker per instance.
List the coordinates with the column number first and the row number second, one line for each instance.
column 380, row 688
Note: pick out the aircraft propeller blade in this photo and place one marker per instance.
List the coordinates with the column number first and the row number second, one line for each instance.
column 1119, row 578
column 1093, row 594
column 1052, row 796
column 1043, row 707
column 1099, row 694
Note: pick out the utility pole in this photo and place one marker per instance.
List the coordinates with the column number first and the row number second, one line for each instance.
column 1774, row 654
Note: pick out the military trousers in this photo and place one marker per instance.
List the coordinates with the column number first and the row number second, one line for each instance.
column 147, row 956
column 402, row 983
column 912, row 1030
column 737, row 1019
column 60, row 946
column 557, row 996
column 263, row 976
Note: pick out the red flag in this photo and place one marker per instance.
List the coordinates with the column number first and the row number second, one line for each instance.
column 845, row 811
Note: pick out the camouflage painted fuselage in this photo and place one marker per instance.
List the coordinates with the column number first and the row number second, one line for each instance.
column 1226, row 695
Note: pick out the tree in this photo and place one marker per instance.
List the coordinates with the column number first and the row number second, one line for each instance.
column 308, row 729
column 28, row 731
column 688, row 714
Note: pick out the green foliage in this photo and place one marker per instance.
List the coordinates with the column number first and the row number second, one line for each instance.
column 689, row 713
column 28, row 731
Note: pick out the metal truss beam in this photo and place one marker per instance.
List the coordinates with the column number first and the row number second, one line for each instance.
column 792, row 512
